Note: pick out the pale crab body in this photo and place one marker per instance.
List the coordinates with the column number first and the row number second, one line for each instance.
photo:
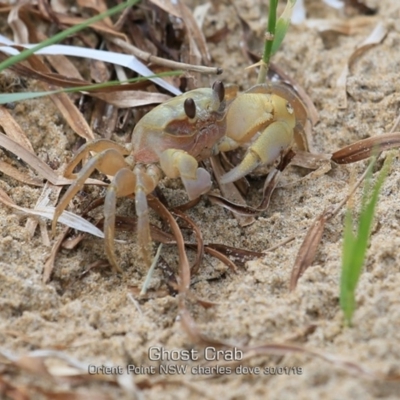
column 172, row 138
column 168, row 126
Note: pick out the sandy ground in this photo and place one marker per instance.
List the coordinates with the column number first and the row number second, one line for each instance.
column 90, row 316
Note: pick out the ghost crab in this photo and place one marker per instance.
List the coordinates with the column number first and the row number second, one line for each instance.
column 172, row 138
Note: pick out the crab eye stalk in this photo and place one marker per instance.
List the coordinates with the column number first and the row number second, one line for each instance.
column 218, row 88
column 190, row 108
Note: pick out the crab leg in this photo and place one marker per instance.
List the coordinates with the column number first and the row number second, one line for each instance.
column 123, row 184
column 146, row 181
column 98, row 146
column 178, row 163
column 275, row 139
column 108, row 162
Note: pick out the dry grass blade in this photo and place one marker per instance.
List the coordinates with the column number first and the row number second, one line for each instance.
column 197, row 41
column 190, row 327
column 366, row 148
column 199, row 239
column 10, row 391
column 361, row 7
column 130, row 224
column 37, row 164
column 7, row 169
column 50, row 262
column 59, row 79
column 149, row 58
column 235, row 208
column 13, row 130
column 99, row 6
column 66, row 106
column 269, row 186
column 19, row 28
column 184, row 268
column 101, row 27
column 132, row 98
column 376, row 37
column 241, row 256
column 230, row 191
column 308, row 248
column 221, row 257
column 344, row 27
column 43, row 201
column 309, row 160
column 70, row 395
column 67, row 218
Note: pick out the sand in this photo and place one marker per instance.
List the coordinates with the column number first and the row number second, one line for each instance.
column 90, row 315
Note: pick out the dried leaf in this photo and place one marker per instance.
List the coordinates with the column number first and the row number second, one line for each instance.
column 221, row 257
column 50, row 262
column 230, row 192
column 269, row 186
column 361, row 7
column 366, row 148
column 308, row 248
column 376, row 37
column 199, row 240
column 18, row 27
column 235, row 208
column 66, row 106
column 124, row 60
column 67, row 218
column 345, row 27
column 129, row 99
column 240, row 256
column 13, row 130
column 184, row 268
column 37, row 164
column 7, row 169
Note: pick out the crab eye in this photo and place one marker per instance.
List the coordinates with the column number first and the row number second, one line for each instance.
column 190, row 108
column 218, row 88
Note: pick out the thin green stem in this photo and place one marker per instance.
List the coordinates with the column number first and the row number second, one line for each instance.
column 269, row 40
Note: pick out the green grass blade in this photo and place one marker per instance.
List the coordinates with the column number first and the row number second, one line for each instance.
column 347, row 290
column 62, row 35
column 269, row 35
column 355, row 246
column 282, row 26
column 276, row 31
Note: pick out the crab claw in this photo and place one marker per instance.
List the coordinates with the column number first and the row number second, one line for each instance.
column 178, row 163
column 196, row 187
column 272, row 142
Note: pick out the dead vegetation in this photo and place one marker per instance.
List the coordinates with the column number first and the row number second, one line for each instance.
column 176, row 42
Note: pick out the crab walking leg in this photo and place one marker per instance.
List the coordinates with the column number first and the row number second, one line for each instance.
column 146, row 182
column 123, row 184
column 108, row 162
column 98, row 146
column 178, row 163
column 272, row 142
